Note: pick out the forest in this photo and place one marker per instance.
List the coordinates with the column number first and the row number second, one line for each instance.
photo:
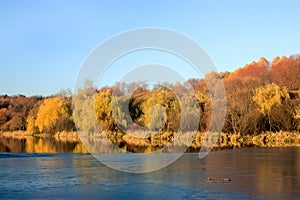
column 260, row 97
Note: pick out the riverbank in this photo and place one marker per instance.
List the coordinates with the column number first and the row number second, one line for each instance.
column 148, row 142
column 60, row 136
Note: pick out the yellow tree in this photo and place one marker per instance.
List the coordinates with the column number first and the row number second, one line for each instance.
column 160, row 107
column 152, row 107
column 31, row 118
column 297, row 112
column 269, row 96
column 297, row 116
column 83, row 111
column 50, row 111
column 158, row 117
column 31, row 126
column 103, row 109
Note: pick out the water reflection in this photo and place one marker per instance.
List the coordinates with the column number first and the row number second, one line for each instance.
column 31, row 144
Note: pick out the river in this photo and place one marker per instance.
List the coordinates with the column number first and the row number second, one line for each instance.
column 255, row 173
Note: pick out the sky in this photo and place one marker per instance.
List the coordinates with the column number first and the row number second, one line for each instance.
column 43, row 44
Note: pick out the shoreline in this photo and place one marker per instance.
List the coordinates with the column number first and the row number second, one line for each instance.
column 217, row 141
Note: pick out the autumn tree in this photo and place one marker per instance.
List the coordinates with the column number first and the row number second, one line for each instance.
column 158, row 117
column 121, row 112
column 84, row 114
column 31, row 118
column 269, row 96
column 215, row 108
column 51, row 112
column 241, row 115
column 161, row 104
column 285, row 72
column 190, row 112
column 297, row 112
column 103, row 109
column 297, row 116
column 260, row 70
column 14, row 111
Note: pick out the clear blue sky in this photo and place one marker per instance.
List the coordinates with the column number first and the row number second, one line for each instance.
column 43, row 43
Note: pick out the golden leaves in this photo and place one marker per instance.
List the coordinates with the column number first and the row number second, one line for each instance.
column 49, row 112
column 268, row 96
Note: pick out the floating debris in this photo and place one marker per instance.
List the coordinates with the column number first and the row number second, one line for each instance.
column 218, row 180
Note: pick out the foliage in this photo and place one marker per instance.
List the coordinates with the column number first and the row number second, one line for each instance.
column 103, row 109
column 241, row 112
column 83, row 110
column 285, row 72
column 14, row 111
column 259, row 70
column 51, row 113
column 297, row 112
column 269, row 96
column 160, row 110
column 261, row 96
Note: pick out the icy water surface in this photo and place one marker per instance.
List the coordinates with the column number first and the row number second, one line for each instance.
column 255, row 173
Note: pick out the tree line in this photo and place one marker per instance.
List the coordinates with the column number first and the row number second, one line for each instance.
column 260, row 97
